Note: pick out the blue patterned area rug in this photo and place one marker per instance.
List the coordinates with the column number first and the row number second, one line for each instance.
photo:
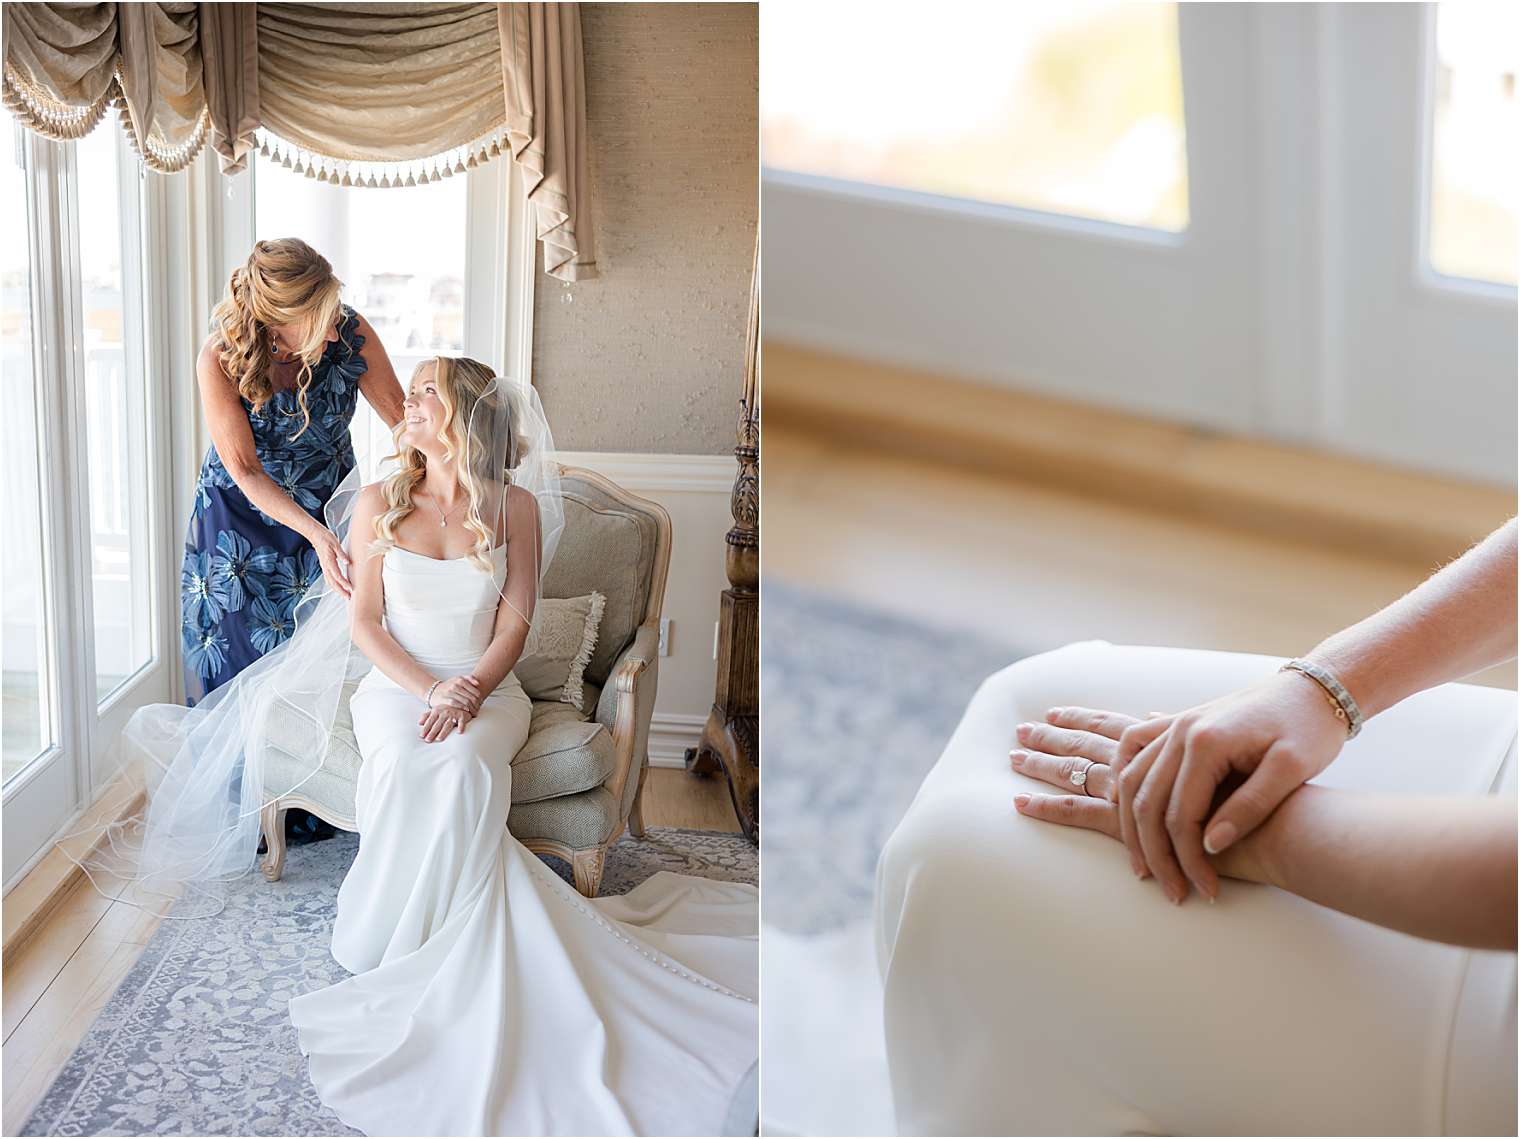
column 197, row 1039
column 856, row 706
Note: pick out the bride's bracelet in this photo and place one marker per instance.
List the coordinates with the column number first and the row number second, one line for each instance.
column 428, row 699
column 1341, row 701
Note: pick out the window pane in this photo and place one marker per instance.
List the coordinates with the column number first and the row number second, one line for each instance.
column 1475, row 164
column 1070, row 108
column 115, row 426
column 400, row 254
column 26, row 715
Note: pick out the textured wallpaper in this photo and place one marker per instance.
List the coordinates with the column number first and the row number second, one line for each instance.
column 650, row 356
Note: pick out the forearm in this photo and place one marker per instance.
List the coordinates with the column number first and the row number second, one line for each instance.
column 1456, row 622
column 1441, row 868
column 375, row 642
column 266, row 494
column 500, row 658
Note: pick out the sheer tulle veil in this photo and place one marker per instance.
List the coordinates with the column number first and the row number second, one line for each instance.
column 208, row 771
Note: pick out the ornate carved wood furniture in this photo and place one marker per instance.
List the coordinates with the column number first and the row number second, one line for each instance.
column 579, row 778
column 731, row 738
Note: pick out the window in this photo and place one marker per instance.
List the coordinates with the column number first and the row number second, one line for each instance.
column 27, row 716
column 116, row 421
column 1067, row 108
column 1475, row 177
column 87, row 473
column 400, row 253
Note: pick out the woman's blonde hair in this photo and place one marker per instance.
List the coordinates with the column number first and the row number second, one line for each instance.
column 462, row 384
column 284, row 281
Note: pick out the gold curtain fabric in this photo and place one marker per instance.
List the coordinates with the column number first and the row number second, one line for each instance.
column 230, row 73
column 544, row 64
column 66, row 64
column 60, row 65
column 379, row 82
column 371, row 94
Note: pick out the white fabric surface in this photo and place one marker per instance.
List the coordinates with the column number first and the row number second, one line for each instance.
column 489, row 998
column 1032, row 986
column 825, row 1063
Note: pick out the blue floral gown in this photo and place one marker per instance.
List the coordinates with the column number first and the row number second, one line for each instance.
column 243, row 571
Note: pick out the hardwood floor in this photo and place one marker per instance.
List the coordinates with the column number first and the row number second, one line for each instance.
column 62, row 976
column 963, row 550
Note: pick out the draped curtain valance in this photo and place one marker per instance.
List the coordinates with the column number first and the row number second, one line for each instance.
column 355, row 94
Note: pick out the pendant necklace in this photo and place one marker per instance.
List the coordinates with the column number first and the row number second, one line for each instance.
column 443, row 518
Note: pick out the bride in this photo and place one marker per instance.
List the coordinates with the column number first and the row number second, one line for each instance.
column 487, row 997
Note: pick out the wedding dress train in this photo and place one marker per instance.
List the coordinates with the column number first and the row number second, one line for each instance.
column 489, row 997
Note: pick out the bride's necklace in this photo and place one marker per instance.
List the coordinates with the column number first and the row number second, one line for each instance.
column 443, row 516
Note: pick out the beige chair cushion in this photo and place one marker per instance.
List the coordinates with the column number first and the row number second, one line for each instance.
column 608, row 547
column 579, row 821
column 564, row 754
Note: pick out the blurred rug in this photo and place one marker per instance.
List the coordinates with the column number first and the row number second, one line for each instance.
column 857, row 705
column 197, row 1039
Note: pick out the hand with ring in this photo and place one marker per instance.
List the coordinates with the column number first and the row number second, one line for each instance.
column 1078, row 761
column 1074, row 751
column 438, row 722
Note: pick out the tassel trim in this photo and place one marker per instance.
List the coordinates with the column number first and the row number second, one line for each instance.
column 380, row 174
column 62, row 122
column 574, row 692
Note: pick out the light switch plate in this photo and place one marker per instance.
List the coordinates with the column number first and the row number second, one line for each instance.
column 664, row 636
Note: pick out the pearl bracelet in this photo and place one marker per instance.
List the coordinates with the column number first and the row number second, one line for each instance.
column 428, row 699
column 1340, row 700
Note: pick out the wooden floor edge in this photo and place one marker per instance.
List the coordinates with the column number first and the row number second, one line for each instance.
column 1250, row 484
column 66, row 874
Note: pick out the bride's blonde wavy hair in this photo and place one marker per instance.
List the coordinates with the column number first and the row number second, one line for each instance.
column 461, row 384
column 284, row 281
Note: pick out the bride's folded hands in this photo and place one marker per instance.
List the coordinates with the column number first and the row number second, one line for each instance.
column 1080, row 762
column 1269, row 738
column 458, row 692
column 1440, row 867
column 436, row 723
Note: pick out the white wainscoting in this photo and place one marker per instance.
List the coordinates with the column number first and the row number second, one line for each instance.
column 695, row 489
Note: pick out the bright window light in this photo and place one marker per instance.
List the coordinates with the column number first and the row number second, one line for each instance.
column 1475, row 162
column 1068, row 108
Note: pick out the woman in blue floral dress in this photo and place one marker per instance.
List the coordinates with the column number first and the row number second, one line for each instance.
column 280, row 376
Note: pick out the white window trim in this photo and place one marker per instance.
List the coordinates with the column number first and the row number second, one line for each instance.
column 46, row 798
column 1287, row 309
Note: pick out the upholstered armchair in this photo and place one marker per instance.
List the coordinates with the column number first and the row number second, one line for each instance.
column 578, row 780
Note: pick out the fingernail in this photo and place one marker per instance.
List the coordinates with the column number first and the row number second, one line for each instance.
column 1021, row 801
column 1055, row 713
column 1219, row 837
column 1139, row 870
column 1018, row 757
column 1175, row 894
column 1023, row 731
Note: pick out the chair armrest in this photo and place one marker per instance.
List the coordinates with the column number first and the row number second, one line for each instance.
column 626, row 707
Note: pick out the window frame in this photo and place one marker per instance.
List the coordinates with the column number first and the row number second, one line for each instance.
column 1298, row 306
column 47, row 796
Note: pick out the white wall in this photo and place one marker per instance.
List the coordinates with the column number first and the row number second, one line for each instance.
column 695, row 489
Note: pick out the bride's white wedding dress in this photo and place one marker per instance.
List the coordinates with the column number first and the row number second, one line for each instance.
column 489, row 997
